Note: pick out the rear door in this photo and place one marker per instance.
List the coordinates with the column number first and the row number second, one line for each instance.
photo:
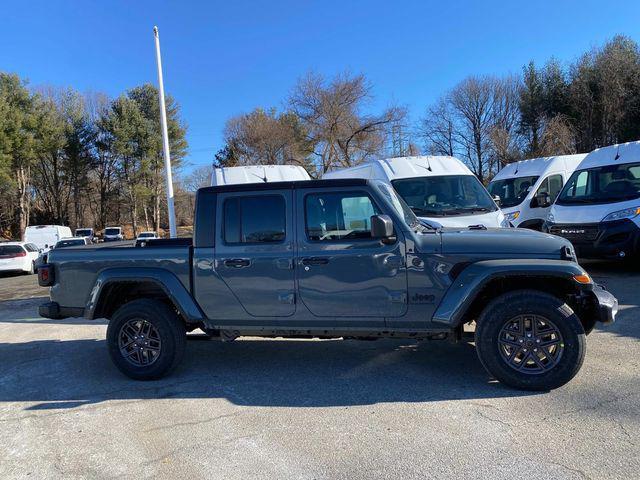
column 342, row 271
column 254, row 250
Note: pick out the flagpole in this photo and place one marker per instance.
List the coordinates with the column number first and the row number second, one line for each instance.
column 165, row 140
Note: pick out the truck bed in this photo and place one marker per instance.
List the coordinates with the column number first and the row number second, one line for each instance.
column 82, row 265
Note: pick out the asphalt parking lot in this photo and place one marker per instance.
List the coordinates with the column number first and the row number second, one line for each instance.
column 309, row 409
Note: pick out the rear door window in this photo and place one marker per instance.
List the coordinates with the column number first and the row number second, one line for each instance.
column 254, row 219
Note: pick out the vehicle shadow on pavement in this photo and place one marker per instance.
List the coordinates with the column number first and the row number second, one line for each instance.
column 253, row 372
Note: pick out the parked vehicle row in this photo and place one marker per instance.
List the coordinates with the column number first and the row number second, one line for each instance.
column 525, row 189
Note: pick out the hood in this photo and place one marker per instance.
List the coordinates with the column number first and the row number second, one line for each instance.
column 489, row 219
column 501, row 241
column 585, row 213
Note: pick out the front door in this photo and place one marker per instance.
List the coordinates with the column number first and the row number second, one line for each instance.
column 254, row 250
column 342, row 271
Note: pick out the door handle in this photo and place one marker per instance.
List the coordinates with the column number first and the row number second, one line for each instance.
column 315, row 261
column 237, row 262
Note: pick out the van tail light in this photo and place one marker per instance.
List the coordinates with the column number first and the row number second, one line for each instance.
column 46, row 275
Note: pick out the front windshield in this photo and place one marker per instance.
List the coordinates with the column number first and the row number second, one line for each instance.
column 512, row 191
column 112, row 231
column 401, row 208
column 83, row 233
column 606, row 184
column 445, row 195
column 146, row 235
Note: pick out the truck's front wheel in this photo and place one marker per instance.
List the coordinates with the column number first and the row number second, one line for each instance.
column 530, row 340
column 146, row 339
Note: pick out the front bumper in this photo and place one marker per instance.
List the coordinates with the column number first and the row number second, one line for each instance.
column 616, row 239
column 607, row 305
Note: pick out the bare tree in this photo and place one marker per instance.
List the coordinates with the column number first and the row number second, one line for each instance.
column 476, row 121
column 333, row 115
column 558, row 137
column 266, row 137
column 505, row 140
column 438, row 129
column 198, row 178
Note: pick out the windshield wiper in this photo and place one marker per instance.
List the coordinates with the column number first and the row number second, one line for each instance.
column 472, row 209
column 425, row 211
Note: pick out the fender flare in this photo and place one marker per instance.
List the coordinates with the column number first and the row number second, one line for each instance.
column 167, row 281
column 470, row 282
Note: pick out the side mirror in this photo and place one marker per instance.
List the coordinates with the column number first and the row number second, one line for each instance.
column 497, row 199
column 382, row 228
column 542, row 200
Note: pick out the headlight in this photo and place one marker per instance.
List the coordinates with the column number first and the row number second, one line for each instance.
column 550, row 217
column 510, row 217
column 620, row 214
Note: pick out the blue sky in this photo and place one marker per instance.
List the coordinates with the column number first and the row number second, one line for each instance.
column 226, row 57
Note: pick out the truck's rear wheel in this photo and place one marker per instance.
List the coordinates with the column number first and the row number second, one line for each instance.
column 530, row 340
column 146, row 339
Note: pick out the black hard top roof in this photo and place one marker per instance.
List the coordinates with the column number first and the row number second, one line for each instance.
column 258, row 187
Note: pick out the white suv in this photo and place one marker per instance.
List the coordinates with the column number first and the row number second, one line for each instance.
column 18, row 257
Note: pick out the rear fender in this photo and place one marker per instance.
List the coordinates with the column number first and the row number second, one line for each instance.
column 470, row 282
column 167, row 281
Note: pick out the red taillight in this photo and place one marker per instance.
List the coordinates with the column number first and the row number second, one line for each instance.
column 45, row 275
column 14, row 255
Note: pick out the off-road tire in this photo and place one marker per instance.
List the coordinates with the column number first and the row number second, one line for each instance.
column 530, row 302
column 169, row 327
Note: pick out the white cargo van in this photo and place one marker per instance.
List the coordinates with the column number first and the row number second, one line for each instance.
column 46, row 236
column 528, row 188
column 258, row 174
column 598, row 209
column 439, row 189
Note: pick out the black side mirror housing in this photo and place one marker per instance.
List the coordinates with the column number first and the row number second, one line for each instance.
column 382, row 228
column 497, row 199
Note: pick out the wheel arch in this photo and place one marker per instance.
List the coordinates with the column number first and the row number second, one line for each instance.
column 116, row 287
column 482, row 281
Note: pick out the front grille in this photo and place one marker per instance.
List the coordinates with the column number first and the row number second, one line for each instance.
column 586, row 233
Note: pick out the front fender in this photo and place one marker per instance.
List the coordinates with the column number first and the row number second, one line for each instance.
column 166, row 280
column 472, row 280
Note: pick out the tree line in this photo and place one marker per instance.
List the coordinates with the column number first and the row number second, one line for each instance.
column 487, row 121
column 88, row 160
column 83, row 160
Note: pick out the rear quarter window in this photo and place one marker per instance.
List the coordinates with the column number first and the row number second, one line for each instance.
column 6, row 250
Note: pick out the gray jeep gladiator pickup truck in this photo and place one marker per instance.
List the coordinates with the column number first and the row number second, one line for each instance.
column 330, row 259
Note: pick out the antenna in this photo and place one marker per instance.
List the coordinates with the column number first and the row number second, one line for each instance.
column 617, row 154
